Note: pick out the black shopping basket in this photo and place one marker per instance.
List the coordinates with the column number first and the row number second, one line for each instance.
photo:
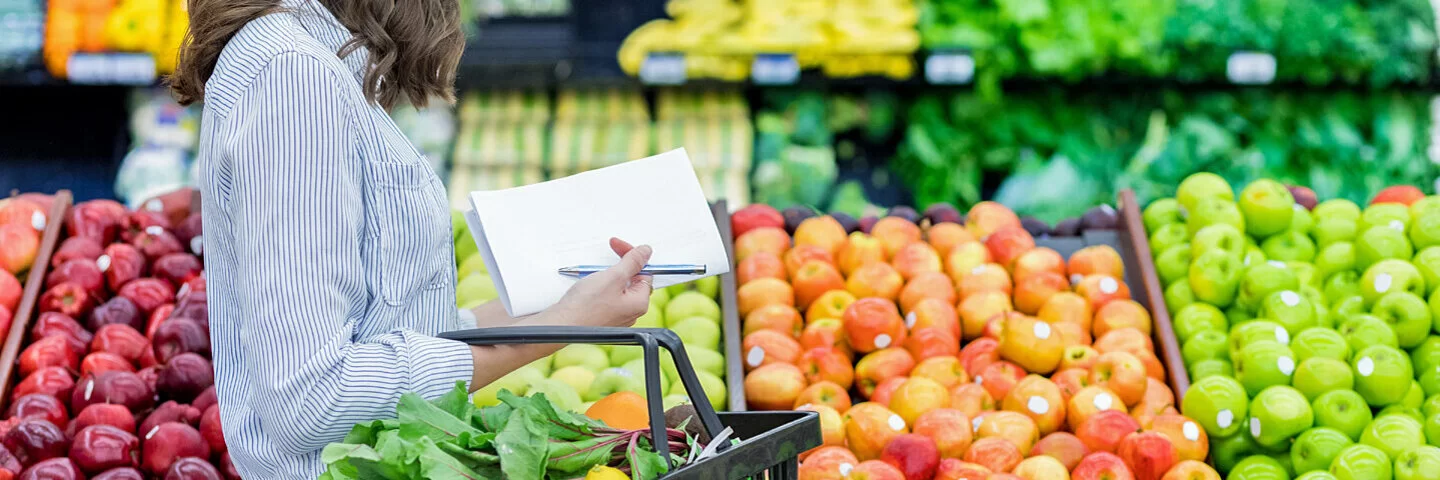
column 770, row 442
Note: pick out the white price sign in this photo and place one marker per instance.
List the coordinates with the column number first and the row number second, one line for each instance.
column 663, row 69
column 775, row 69
column 1250, row 68
column 111, row 68
column 950, row 68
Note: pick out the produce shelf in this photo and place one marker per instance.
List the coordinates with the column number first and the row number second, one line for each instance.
column 34, row 284
column 730, row 315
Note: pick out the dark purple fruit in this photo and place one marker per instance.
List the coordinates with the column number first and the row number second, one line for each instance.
column 1069, row 227
column 943, row 212
column 1103, row 217
column 849, row 223
column 1037, row 227
column 904, row 212
column 34, row 440
column 867, row 222
column 185, row 377
column 53, row 469
column 794, row 215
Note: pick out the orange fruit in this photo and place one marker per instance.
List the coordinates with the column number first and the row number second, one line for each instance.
column 622, row 410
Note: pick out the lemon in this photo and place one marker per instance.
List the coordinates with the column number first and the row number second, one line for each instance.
column 602, row 472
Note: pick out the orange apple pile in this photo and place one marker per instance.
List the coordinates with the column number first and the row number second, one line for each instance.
column 946, row 350
column 22, row 221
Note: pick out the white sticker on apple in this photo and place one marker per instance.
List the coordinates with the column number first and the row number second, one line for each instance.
column 1382, row 282
column 882, row 340
column 1103, row 401
column 1365, row 366
column 979, row 380
column 1254, row 427
column 1397, row 225
column 975, row 424
column 978, row 269
column 1290, row 298
column 37, row 220
column 197, row 244
column 1276, row 263
column 845, row 469
column 1282, row 336
column 154, row 230
column 155, row 205
column 1038, row 405
column 754, row 356
column 896, row 423
column 1224, row 418
column 1108, row 285
column 1190, row 431
column 1286, row 365
column 1076, row 278
column 103, row 262
column 1247, row 260
column 89, row 389
column 910, row 320
column 152, row 431
column 1042, row 330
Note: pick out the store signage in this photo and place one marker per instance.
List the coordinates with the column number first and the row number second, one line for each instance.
column 1250, row 68
column 111, row 69
column 949, row 68
column 663, row 68
column 775, row 69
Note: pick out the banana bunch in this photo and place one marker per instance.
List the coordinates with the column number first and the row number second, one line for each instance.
column 695, row 26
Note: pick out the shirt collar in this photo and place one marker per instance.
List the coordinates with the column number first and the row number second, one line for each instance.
column 321, row 24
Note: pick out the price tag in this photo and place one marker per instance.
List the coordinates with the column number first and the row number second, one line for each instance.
column 775, row 69
column 663, row 69
column 950, row 68
column 111, row 68
column 1250, row 68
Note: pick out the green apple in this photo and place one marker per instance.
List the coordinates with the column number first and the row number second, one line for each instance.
column 1262, row 365
column 1432, row 429
column 1204, row 345
column 1431, row 406
column 1291, row 310
column 1196, row 317
column 1343, row 410
column 1319, row 342
column 1419, row 463
column 1317, row 375
column 706, row 360
column 1253, row 255
column 1407, row 314
column 1258, row 467
column 1226, row 452
column 1262, row 279
column 1399, row 409
column 1304, row 273
column 698, row 332
column 1337, row 208
column 709, row 286
column 1214, row 211
column 679, row 288
column 1393, row 434
column 1341, row 286
column 1178, row 295
column 1335, row 258
column 475, row 290
column 1316, row 475
column 1427, row 205
column 1426, row 356
column 1278, row 413
column 1214, row 277
column 578, row 378
column 592, row 357
column 1414, row 398
column 557, row 392
column 1202, row 185
column 1211, row 366
column 1380, row 243
column 517, row 382
column 1173, row 264
column 659, row 298
column 1282, row 456
column 1238, row 316
column 544, row 365
column 1168, row 236
column 1427, row 261
column 470, row 266
column 1289, row 246
column 1424, row 230
column 1388, row 276
column 465, row 247
column 617, row 379
column 1218, row 403
column 714, row 389
column 1434, row 303
column 667, row 370
column 653, row 318
column 1364, row 330
column 1328, row 231
column 1301, row 221
column 1162, row 212
column 1382, row 374
column 1317, row 301
column 1219, row 237
column 1256, row 331
column 623, row 354
column 1361, row 462
column 1316, row 448
column 691, row 304
column 672, row 400
column 1393, row 215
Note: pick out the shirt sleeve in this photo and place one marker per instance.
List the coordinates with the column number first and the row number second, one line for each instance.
column 297, row 218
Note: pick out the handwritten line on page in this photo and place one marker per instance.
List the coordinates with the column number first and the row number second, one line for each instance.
column 526, row 234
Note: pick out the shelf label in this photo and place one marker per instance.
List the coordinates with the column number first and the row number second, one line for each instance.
column 1250, row 68
column 949, row 68
column 111, row 68
column 663, row 68
column 775, row 69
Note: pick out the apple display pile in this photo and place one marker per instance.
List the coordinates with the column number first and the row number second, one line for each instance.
column 116, row 380
column 578, row 375
column 22, row 222
column 1057, row 377
column 1305, row 327
column 474, row 285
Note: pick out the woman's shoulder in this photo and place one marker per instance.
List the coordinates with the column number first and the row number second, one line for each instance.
column 275, row 44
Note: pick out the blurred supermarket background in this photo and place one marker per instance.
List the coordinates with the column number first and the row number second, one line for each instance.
column 837, row 104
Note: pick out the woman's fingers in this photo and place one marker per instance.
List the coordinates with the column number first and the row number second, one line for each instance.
column 632, row 262
column 620, row 247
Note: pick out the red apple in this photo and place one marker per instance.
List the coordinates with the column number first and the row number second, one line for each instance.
column 76, row 248
column 140, row 221
column 1101, row 466
column 68, row 298
column 96, row 219
column 1148, row 454
column 169, row 442
column 914, row 455
column 148, row 293
column 10, row 291
column 80, row 271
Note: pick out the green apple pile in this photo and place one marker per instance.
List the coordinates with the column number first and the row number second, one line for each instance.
column 578, row 375
column 1310, row 334
column 475, row 286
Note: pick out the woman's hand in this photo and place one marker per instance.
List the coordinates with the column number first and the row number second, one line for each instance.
column 614, row 297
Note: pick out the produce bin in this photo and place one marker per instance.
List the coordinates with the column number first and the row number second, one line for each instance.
column 770, row 441
column 34, row 284
column 730, row 314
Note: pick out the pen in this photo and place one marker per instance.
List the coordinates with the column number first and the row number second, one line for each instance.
column 675, row 269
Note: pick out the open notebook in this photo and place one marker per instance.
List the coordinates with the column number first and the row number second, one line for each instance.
column 527, row 233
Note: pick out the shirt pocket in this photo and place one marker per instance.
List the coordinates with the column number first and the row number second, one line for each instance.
column 410, row 227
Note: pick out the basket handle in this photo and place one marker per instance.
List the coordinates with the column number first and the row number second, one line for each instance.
column 647, row 338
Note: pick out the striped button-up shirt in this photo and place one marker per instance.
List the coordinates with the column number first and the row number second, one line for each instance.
column 327, row 248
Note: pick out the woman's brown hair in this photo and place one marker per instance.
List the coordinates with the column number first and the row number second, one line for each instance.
column 414, row 48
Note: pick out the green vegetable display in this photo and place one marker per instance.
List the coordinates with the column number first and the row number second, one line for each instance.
column 523, row 438
column 796, row 146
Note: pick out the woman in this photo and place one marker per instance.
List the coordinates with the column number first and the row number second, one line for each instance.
column 327, row 243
